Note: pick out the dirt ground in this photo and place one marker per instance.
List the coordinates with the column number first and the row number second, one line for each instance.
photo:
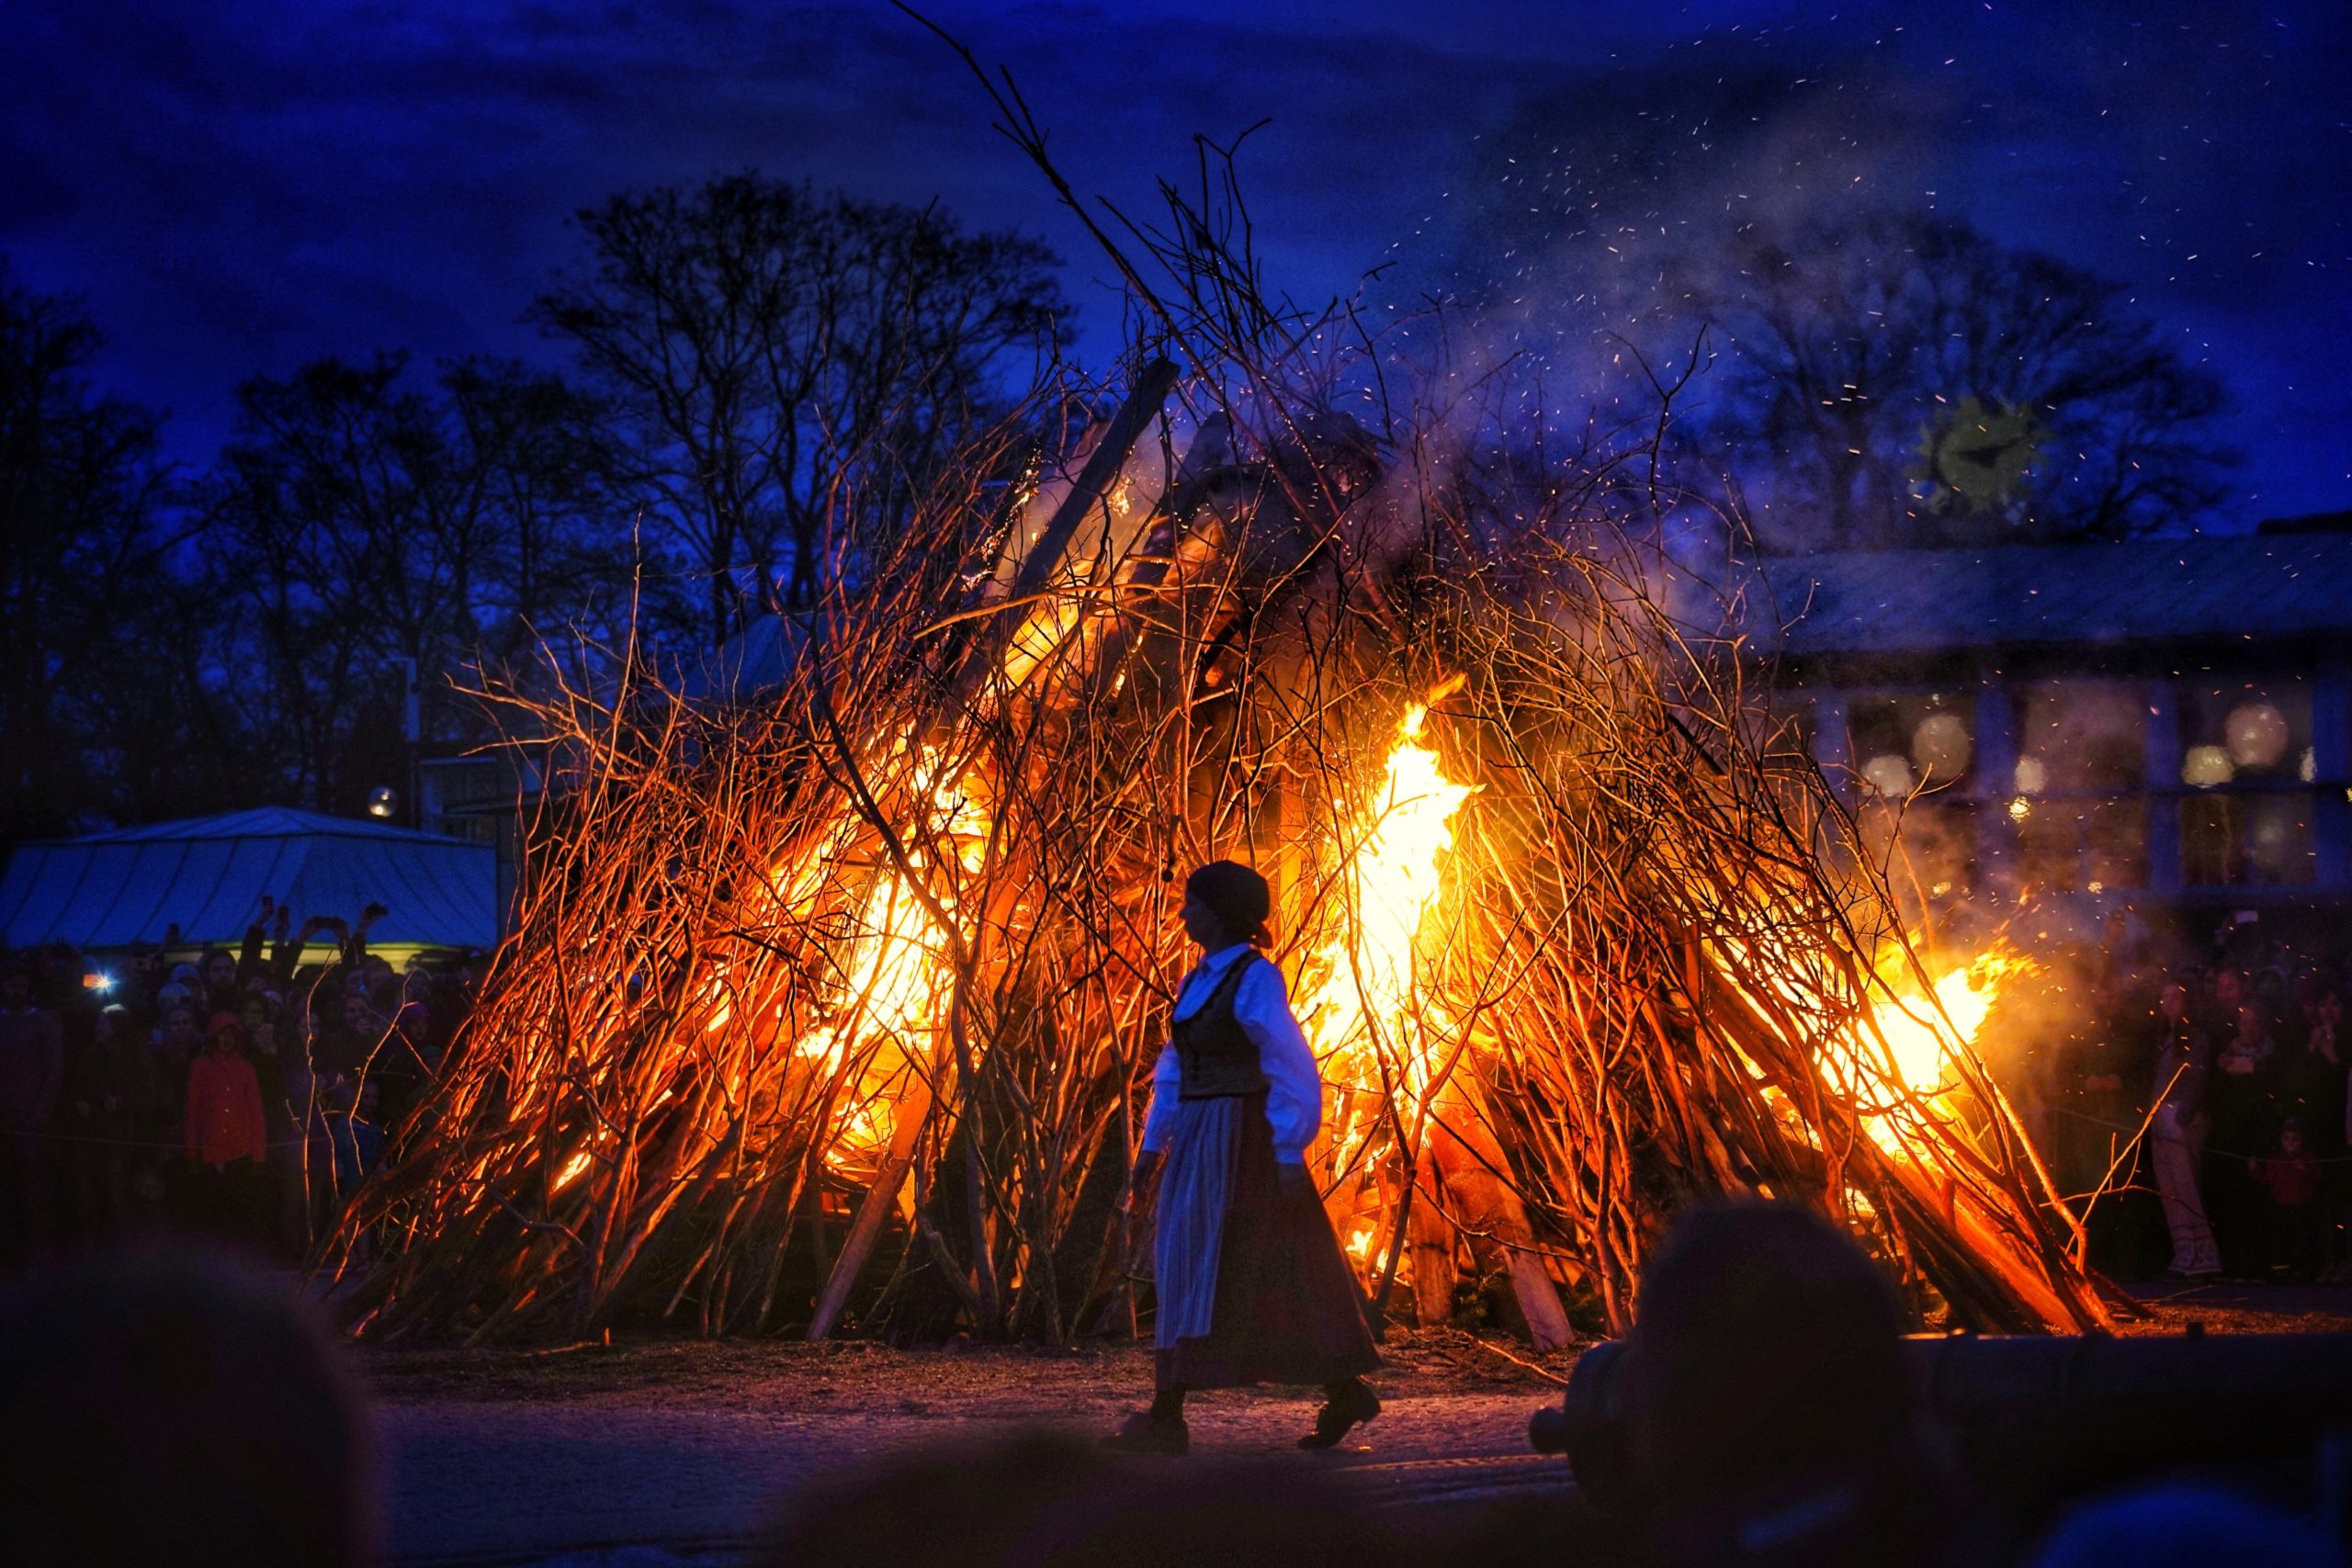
column 647, row 1453
column 995, row 1382
column 1018, row 1382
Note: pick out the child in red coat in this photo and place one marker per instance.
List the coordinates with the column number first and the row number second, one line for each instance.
column 2298, row 1223
column 226, row 1139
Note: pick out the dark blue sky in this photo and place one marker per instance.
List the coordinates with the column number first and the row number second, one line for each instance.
column 241, row 185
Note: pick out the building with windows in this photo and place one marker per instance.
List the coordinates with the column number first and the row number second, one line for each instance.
column 2165, row 722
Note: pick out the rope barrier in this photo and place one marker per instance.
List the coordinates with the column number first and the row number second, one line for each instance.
column 176, row 1146
column 2134, row 1130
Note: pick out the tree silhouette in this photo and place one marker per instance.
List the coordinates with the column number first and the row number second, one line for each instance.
column 357, row 522
column 1874, row 361
column 786, row 369
column 84, row 532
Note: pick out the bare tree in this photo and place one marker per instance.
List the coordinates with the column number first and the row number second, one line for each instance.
column 1878, row 361
column 358, row 522
column 772, row 352
column 84, row 535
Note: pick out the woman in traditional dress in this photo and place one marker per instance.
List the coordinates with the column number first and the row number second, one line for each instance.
column 1251, row 1284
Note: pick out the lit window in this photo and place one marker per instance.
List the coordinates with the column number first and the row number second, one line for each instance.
column 2082, row 760
column 1916, row 755
column 2246, row 749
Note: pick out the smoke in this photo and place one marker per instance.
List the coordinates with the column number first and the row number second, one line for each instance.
column 1597, row 234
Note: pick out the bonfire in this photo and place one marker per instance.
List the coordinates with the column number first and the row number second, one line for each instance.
column 843, row 998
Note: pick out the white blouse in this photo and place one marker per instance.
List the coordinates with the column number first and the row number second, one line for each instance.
column 1261, row 1006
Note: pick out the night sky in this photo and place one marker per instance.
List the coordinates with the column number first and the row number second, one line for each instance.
column 239, row 185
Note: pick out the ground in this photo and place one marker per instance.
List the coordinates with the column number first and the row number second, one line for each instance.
column 644, row 1453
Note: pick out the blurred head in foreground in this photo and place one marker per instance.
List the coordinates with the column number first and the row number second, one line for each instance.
column 1048, row 1501
column 2181, row 1525
column 1771, row 1416
column 165, row 1407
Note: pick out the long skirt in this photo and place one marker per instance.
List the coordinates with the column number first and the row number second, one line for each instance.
column 1251, row 1285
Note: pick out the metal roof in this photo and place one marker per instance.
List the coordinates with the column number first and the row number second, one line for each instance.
column 2192, row 589
column 206, row 875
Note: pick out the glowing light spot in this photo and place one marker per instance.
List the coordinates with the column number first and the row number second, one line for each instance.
column 2256, row 733
column 1889, row 774
column 1941, row 744
column 2206, row 766
column 2032, row 775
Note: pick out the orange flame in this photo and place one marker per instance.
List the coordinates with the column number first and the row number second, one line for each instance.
column 1917, row 1037
column 1924, row 1033
column 1366, row 1014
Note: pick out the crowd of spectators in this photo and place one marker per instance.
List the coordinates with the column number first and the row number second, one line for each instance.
column 237, row 1095
column 2209, row 1096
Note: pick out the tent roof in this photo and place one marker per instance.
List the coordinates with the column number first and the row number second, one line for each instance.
column 206, row 875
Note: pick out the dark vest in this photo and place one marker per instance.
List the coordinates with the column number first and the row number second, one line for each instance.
column 1218, row 1058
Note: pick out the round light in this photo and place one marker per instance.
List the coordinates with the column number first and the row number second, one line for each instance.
column 383, row 801
column 2033, row 776
column 1889, row 774
column 2206, row 766
column 2307, row 769
column 2021, row 809
column 1940, row 744
column 2258, row 735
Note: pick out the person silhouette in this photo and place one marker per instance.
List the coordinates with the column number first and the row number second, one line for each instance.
column 1251, row 1284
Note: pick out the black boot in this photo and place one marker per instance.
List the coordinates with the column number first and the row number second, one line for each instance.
column 1344, row 1405
column 1147, row 1432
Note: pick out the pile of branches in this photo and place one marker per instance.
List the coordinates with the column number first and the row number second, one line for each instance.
column 899, row 932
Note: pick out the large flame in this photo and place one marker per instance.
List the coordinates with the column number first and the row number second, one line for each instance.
column 1901, row 1061
column 1914, row 1027
column 895, row 974
column 1370, row 1026
column 1924, row 1035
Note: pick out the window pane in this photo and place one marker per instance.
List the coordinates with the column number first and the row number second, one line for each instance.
column 1913, row 742
column 2081, row 738
column 2254, row 839
column 1935, row 855
column 2117, row 841
column 2080, row 846
column 2245, row 732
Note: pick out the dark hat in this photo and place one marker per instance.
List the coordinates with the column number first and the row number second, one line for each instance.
column 1237, row 896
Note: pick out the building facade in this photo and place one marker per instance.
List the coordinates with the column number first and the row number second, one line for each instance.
column 2166, row 724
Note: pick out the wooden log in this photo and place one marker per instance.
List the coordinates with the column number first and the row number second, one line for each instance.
column 1431, row 1239
column 874, row 1208
column 1464, row 1149
column 1052, row 545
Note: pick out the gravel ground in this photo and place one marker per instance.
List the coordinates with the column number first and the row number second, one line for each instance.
column 645, row 1453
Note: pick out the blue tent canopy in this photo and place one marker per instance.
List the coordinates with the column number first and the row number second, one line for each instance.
column 206, row 875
